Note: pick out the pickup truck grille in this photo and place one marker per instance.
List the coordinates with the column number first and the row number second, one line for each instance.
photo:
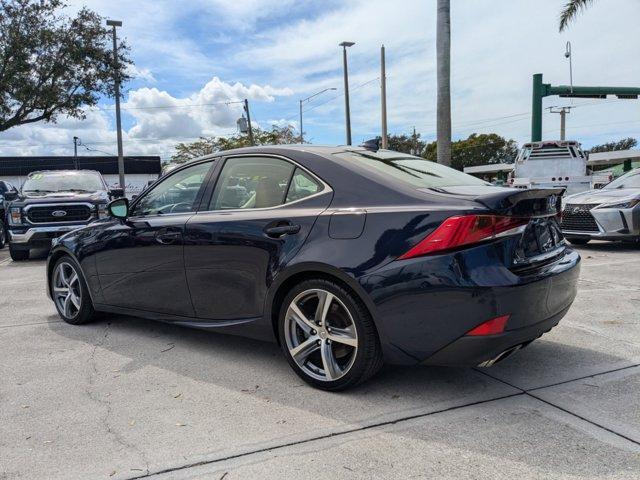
column 53, row 213
column 577, row 218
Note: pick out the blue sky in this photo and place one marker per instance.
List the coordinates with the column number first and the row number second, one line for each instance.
column 192, row 56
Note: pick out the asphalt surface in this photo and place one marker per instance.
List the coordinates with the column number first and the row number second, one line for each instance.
column 125, row 398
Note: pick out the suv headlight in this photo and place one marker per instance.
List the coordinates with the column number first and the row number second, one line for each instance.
column 15, row 215
column 102, row 211
column 629, row 204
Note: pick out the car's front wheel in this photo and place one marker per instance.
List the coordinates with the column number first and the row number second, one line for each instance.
column 70, row 293
column 3, row 235
column 328, row 335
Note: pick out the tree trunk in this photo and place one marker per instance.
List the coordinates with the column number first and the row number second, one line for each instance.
column 443, row 52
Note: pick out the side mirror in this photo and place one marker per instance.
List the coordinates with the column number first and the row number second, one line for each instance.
column 119, row 208
column 116, row 193
column 10, row 196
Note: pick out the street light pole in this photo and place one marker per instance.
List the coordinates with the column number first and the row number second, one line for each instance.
column 347, row 112
column 308, row 99
column 75, row 152
column 383, row 95
column 116, row 75
column 567, row 54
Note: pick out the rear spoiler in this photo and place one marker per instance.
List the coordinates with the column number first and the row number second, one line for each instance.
column 531, row 202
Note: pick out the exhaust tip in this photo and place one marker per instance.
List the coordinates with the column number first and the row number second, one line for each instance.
column 501, row 356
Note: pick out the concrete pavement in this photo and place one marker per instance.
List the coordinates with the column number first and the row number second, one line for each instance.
column 127, row 398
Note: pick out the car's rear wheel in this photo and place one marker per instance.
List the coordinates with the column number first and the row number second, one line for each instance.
column 3, row 235
column 70, row 293
column 578, row 241
column 328, row 335
column 17, row 255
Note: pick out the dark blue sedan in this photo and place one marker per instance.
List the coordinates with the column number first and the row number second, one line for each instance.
column 348, row 257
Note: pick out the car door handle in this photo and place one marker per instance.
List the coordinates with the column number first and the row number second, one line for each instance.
column 168, row 237
column 280, row 230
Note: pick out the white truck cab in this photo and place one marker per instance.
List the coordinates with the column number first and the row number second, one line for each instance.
column 552, row 163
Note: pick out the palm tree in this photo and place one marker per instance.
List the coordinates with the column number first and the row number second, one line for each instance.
column 571, row 10
column 443, row 55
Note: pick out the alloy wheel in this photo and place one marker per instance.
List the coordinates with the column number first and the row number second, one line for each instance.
column 67, row 291
column 321, row 335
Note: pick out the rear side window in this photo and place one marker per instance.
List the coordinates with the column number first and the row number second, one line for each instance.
column 414, row 171
column 302, row 185
column 261, row 182
column 251, row 182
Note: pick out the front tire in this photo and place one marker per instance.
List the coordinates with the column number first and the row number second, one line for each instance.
column 578, row 241
column 18, row 255
column 70, row 292
column 328, row 336
column 3, row 235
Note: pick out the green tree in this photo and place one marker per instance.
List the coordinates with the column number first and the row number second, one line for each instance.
column 477, row 149
column 51, row 64
column 207, row 145
column 570, row 11
column 405, row 143
column 624, row 144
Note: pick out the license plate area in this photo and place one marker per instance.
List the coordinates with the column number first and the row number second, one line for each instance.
column 541, row 241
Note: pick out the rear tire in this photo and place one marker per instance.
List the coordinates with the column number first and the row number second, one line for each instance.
column 70, row 292
column 18, row 255
column 579, row 241
column 328, row 336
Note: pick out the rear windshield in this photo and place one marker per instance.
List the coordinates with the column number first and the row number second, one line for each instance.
column 414, row 171
column 76, row 181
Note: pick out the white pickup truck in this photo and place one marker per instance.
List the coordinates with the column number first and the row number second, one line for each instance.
column 553, row 163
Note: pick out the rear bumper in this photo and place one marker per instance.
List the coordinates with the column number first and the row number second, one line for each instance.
column 469, row 351
column 38, row 237
column 427, row 304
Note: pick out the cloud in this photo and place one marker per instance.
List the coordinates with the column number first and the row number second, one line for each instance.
column 158, row 121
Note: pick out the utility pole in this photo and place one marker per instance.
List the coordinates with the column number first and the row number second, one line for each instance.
column 302, row 101
column 301, row 131
column 383, row 96
column 443, row 57
column 563, row 112
column 75, row 152
column 246, row 109
column 116, row 75
column 347, row 111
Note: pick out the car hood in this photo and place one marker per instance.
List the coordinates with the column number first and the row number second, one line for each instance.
column 603, row 195
column 63, row 197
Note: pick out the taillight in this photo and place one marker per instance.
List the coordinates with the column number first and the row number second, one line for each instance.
column 455, row 232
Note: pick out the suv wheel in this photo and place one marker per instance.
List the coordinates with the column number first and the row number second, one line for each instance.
column 70, row 293
column 3, row 235
column 328, row 336
column 18, row 255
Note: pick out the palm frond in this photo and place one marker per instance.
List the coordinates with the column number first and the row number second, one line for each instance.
column 571, row 10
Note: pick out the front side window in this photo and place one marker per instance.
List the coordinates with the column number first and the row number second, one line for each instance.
column 175, row 194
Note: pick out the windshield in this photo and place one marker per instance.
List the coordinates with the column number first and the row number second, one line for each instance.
column 415, row 171
column 630, row 180
column 63, row 182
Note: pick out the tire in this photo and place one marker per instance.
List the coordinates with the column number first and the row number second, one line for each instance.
column 18, row 255
column 70, row 292
column 578, row 241
column 3, row 235
column 334, row 350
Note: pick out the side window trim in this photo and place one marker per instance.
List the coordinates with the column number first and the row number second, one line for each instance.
column 198, row 199
column 324, row 186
